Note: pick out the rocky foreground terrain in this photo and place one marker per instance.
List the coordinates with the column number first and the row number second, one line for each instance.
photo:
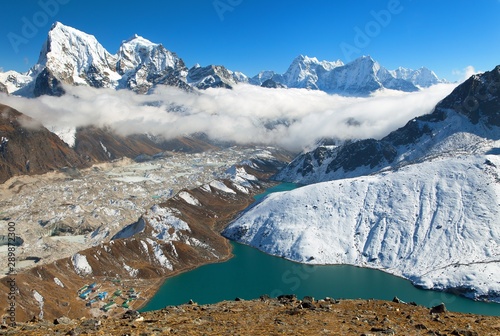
column 285, row 315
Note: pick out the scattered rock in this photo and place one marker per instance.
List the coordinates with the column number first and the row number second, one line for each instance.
column 91, row 323
column 287, row 298
column 439, row 309
column 307, row 305
column 420, row 327
column 397, row 300
column 308, row 299
column 464, row 333
column 386, row 331
column 250, row 317
column 63, row 320
column 265, row 298
column 131, row 315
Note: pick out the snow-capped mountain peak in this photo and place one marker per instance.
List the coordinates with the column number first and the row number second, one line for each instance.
column 138, row 50
column 422, row 77
column 73, row 57
column 360, row 77
column 68, row 53
column 144, row 64
column 305, row 72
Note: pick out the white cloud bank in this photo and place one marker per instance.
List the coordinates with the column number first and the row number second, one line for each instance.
column 465, row 73
column 291, row 118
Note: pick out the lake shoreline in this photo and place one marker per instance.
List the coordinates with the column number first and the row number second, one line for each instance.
column 450, row 296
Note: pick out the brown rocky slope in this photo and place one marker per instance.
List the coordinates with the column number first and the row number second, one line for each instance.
column 285, row 315
column 27, row 140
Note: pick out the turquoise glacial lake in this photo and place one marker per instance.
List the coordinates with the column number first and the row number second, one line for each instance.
column 251, row 273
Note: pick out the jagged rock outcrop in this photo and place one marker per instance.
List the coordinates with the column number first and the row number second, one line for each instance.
column 212, row 76
column 3, row 88
column 271, row 84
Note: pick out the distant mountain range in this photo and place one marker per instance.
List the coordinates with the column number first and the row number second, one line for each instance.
column 73, row 57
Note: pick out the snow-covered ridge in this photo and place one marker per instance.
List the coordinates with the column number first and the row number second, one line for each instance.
column 422, row 77
column 73, row 57
column 436, row 223
column 359, row 77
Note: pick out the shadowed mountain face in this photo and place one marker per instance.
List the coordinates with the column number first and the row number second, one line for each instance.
column 26, row 147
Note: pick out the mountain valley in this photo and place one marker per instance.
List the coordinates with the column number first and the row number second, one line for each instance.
column 160, row 166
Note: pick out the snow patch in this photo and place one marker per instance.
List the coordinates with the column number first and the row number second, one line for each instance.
column 68, row 135
column 166, row 226
column 159, row 255
column 39, row 298
column 58, row 282
column 105, row 149
column 81, row 265
column 222, row 187
column 132, row 271
column 189, row 198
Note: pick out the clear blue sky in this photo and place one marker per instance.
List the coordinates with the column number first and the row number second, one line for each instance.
column 254, row 35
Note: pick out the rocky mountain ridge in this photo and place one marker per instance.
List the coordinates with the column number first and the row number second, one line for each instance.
column 360, row 77
column 25, row 140
column 473, row 108
column 73, row 57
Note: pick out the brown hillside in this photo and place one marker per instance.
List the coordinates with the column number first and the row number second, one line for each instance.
column 29, row 140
